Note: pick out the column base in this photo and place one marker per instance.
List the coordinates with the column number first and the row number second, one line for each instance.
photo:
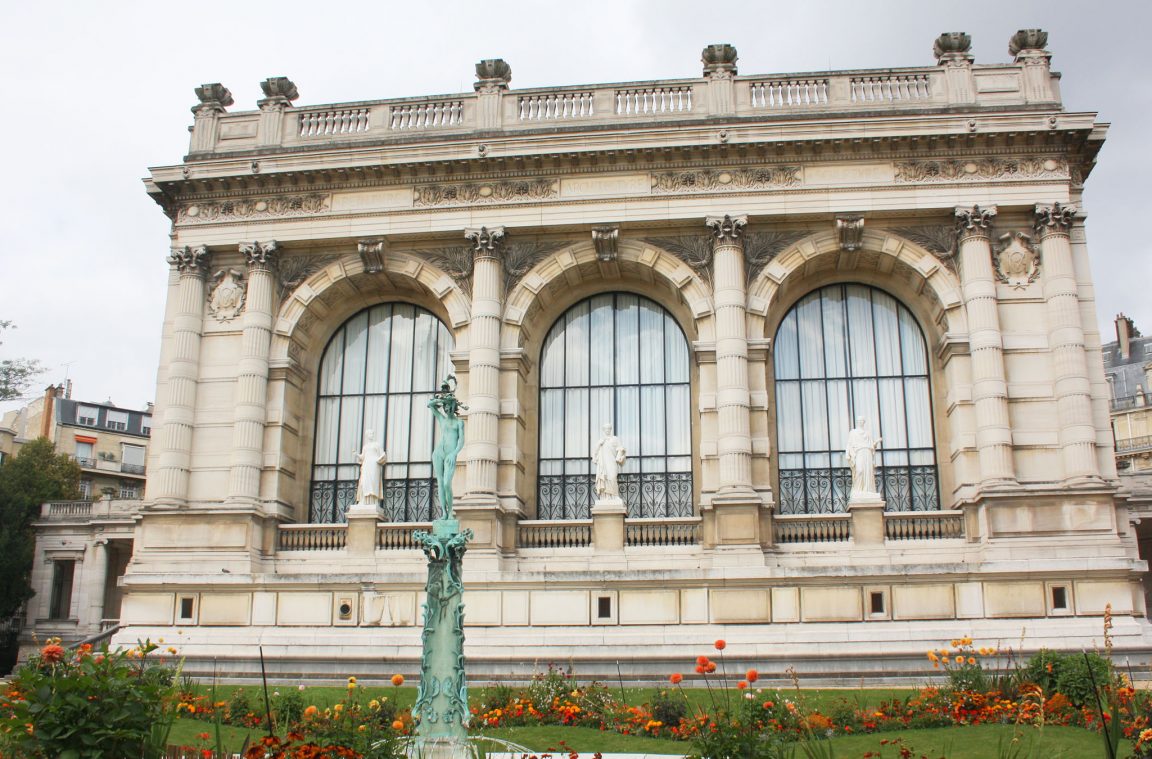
column 1085, row 481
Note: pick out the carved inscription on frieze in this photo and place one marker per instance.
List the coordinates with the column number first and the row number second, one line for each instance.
column 708, row 180
column 981, row 170
column 281, row 206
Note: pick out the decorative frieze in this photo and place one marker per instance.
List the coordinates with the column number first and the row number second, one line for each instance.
column 1015, row 260
column 709, row 180
column 277, row 207
column 226, row 300
column 485, row 192
column 190, row 259
column 981, row 170
column 372, row 254
column 850, row 232
column 606, row 240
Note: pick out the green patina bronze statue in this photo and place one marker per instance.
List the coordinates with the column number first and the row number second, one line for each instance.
column 446, row 408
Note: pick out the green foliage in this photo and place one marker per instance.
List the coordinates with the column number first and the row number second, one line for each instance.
column 36, row 474
column 16, row 373
column 669, row 708
column 1070, row 674
column 353, row 724
column 288, row 706
column 80, row 705
column 240, row 711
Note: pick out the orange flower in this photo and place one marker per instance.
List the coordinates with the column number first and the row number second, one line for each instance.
column 711, row 667
column 311, row 711
column 721, row 645
column 52, row 653
column 972, row 660
column 397, row 680
column 752, row 675
column 700, row 669
column 702, row 661
column 741, row 685
column 397, row 725
column 675, row 678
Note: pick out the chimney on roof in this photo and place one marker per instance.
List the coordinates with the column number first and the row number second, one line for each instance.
column 48, row 416
column 1125, row 331
column 68, row 390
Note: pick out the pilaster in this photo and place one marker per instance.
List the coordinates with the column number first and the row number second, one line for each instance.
column 989, row 384
column 169, row 486
column 279, row 92
column 1071, row 378
column 951, row 51
column 1027, row 46
column 720, row 71
column 214, row 100
column 251, row 398
column 96, row 577
column 493, row 76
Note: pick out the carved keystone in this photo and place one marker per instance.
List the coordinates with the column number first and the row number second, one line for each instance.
column 278, row 90
column 605, row 239
column 494, row 74
column 213, row 97
column 1027, row 40
column 952, row 46
column 372, row 254
column 850, row 232
column 719, row 60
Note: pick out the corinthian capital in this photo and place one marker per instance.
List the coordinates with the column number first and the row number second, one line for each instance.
column 727, row 228
column 190, row 260
column 260, row 255
column 485, row 241
column 974, row 222
column 1054, row 219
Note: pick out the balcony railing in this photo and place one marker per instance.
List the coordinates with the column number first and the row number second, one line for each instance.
column 85, row 462
column 109, row 465
column 813, row 528
column 312, row 537
column 574, row 533
column 662, row 532
column 67, row 510
column 1140, row 400
column 923, row 525
column 1134, row 444
column 397, row 536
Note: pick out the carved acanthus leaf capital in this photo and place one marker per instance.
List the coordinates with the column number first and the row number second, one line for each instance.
column 719, row 61
column 485, row 241
column 850, row 232
column 1055, row 218
column 260, row 255
column 279, row 92
column 606, row 240
column 974, row 222
column 372, row 254
column 191, row 260
column 214, row 97
column 727, row 228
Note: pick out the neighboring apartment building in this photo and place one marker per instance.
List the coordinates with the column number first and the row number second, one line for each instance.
column 83, row 547
column 729, row 268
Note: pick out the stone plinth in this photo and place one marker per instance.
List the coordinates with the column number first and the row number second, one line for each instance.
column 608, row 524
column 867, row 510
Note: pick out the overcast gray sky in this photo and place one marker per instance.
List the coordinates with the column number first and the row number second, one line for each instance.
column 94, row 93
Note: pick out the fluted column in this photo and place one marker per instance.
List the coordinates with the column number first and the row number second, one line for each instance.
column 96, row 578
column 734, row 443
column 484, row 363
column 169, row 485
column 989, row 386
column 252, row 379
column 1066, row 342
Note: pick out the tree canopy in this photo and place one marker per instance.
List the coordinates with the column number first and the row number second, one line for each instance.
column 16, row 373
column 36, row 474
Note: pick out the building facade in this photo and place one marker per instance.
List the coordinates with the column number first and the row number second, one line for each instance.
column 731, row 270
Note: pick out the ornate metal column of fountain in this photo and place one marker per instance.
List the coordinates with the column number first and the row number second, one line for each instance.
column 441, row 706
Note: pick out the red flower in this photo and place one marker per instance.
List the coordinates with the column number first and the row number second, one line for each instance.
column 702, row 661
column 52, row 653
column 752, row 675
column 700, row 669
column 711, row 667
column 741, row 685
column 721, row 645
column 675, row 678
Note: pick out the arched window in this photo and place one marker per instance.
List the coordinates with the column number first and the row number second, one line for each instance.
column 622, row 359
column 378, row 372
column 842, row 352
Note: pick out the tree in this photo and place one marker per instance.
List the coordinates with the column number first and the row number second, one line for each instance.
column 16, row 373
column 36, row 474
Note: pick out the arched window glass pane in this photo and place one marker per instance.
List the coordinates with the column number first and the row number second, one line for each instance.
column 843, row 352
column 377, row 373
column 624, row 360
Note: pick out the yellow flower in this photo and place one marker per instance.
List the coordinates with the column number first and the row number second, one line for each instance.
column 351, row 682
column 339, row 707
column 959, row 659
column 373, row 704
column 932, row 656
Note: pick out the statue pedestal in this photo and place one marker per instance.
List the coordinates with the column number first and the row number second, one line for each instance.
column 362, row 520
column 608, row 524
column 867, row 510
column 441, row 748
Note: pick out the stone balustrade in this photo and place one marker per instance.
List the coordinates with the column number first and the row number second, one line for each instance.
column 813, row 528
column 924, row 525
column 662, row 532
column 765, row 97
column 85, row 511
column 396, row 536
column 574, row 533
column 312, row 537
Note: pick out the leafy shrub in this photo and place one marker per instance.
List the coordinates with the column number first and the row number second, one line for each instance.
column 1043, row 669
column 1076, row 674
column 669, row 708
column 288, row 706
column 240, row 710
column 81, row 705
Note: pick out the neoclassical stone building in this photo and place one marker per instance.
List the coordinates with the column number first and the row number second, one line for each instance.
column 730, row 269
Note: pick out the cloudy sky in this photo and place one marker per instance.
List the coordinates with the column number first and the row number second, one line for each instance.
column 94, row 93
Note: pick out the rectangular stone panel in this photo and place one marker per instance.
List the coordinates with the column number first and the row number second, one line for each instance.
column 263, row 608
column 302, row 609
column 1014, row 599
column 1092, row 597
column 694, row 606
column 649, row 607
column 923, row 602
column 559, row 607
column 831, row 604
column 148, row 608
column 742, row 605
column 482, row 608
column 514, row 605
column 225, row 609
column 785, row 604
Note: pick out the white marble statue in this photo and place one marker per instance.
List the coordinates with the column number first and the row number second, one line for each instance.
column 861, row 456
column 608, row 456
column 370, row 488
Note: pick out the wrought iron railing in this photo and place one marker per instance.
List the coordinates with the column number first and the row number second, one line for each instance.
column 826, row 491
column 84, row 461
column 823, row 528
column 413, row 500
column 312, row 537
column 1139, row 400
column 572, row 533
column 132, row 468
column 924, row 525
column 1134, row 444
column 656, row 495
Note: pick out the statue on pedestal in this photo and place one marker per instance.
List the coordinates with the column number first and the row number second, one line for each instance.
column 861, row 456
column 608, row 456
column 446, row 408
column 370, row 487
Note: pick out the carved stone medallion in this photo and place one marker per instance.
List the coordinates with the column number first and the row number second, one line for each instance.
column 226, row 300
column 1015, row 260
